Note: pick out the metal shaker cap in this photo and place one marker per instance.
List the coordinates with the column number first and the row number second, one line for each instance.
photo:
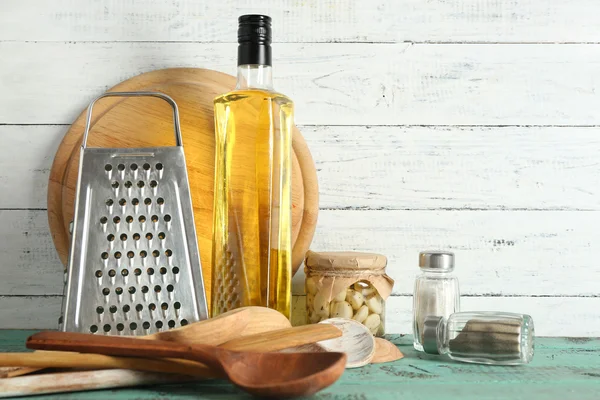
column 430, row 334
column 438, row 260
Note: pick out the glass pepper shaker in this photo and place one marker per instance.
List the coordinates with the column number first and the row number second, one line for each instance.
column 495, row 338
column 436, row 291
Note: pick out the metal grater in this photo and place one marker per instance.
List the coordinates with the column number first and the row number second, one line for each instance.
column 134, row 265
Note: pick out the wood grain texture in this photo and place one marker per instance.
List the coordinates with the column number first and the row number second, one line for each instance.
column 404, row 167
column 304, row 21
column 498, row 253
column 298, row 374
column 561, row 368
column 25, row 173
column 553, row 316
column 60, row 382
column 142, row 122
column 60, row 359
column 453, row 167
column 392, row 96
column 385, row 351
column 266, row 341
column 331, row 84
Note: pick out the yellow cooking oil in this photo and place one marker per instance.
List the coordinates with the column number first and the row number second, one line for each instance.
column 252, row 201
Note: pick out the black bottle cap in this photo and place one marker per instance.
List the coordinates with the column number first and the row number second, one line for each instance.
column 254, row 39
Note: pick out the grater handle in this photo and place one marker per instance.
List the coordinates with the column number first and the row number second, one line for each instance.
column 168, row 99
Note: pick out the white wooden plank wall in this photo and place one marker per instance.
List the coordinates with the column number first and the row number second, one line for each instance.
column 470, row 126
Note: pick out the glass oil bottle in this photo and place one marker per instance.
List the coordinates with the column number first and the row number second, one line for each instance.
column 252, row 204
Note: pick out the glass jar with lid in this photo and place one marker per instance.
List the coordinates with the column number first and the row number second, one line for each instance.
column 349, row 285
column 482, row 337
column 436, row 291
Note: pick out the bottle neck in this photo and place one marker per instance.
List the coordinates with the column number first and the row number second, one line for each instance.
column 254, row 76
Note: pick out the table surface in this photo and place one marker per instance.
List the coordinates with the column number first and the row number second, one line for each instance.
column 562, row 368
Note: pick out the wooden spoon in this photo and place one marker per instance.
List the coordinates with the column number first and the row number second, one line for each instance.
column 276, row 375
column 243, row 321
column 262, row 342
column 233, row 324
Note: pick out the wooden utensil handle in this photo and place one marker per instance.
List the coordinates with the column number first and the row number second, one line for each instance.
column 123, row 346
column 63, row 359
column 283, row 338
column 263, row 342
column 83, row 380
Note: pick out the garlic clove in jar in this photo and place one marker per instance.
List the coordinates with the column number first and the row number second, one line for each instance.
column 356, row 299
column 372, row 322
column 341, row 296
column 374, row 303
column 311, row 285
column 322, row 312
column 343, row 309
column 361, row 314
column 364, row 288
column 313, row 318
column 321, row 305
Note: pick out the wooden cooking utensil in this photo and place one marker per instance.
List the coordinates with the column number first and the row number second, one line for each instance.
column 233, row 324
column 66, row 359
column 9, row 372
column 385, row 351
column 261, row 342
column 142, row 123
column 275, row 375
column 283, row 338
column 356, row 341
column 83, row 380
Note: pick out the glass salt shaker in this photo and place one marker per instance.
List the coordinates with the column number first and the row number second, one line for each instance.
column 436, row 291
column 495, row 338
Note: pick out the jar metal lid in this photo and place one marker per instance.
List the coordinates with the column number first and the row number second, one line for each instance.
column 430, row 334
column 438, row 260
column 345, row 260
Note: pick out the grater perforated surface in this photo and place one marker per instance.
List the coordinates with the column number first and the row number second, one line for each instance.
column 134, row 266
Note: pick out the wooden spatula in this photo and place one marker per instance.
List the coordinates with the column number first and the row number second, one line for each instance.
column 274, row 375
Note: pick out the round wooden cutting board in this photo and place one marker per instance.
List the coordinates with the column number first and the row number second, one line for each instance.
column 147, row 122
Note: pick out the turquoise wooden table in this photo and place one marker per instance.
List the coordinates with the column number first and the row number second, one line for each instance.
column 562, row 368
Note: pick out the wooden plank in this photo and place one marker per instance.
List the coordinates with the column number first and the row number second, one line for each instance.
column 29, row 312
column 499, row 253
column 553, row 316
column 26, row 156
column 404, row 167
column 415, row 167
column 304, row 21
column 30, row 264
column 332, row 84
